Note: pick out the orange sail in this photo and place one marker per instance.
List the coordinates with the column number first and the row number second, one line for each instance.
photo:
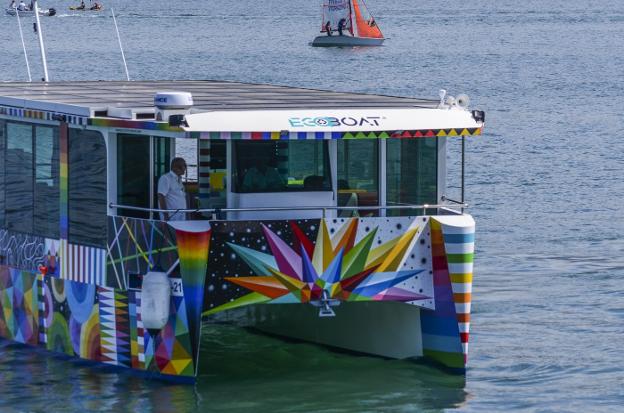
column 365, row 28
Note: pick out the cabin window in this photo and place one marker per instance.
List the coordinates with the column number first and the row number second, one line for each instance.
column 31, row 160
column 87, row 188
column 47, row 179
column 358, row 175
column 411, row 172
column 19, row 177
column 281, row 166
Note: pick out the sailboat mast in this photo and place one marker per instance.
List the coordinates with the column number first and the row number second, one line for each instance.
column 351, row 29
column 19, row 24
column 41, row 46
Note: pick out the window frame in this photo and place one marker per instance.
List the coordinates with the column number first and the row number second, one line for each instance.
column 102, row 241
column 236, row 180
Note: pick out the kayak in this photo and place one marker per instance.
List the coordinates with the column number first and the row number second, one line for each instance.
column 78, row 8
column 27, row 13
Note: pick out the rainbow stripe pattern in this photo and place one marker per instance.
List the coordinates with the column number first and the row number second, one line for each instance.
column 193, row 241
column 133, row 124
column 445, row 330
column 63, row 178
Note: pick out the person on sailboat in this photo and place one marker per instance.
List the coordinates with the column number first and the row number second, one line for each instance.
column 32, row 5
column 21, row 6
column 12, row 6
column 328, row 28
column 82, row 5
column 341, row 24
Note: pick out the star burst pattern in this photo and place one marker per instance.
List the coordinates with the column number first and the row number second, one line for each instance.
column 337, row 265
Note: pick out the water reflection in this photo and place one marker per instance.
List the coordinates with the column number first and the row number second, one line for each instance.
column 239, row 371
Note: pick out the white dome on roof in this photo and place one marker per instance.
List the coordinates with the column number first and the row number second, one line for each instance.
column 173, row 100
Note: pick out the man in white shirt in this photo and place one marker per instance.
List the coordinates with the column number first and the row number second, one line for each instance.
column 22, row 6
column 171, row 194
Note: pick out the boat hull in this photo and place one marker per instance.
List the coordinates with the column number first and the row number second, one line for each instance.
column 345, row 41
column 385, row 329
column 30, row 13
column 85, row 9
column 396, row 287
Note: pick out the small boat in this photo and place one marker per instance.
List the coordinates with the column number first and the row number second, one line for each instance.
column 95, row 7
column 348, row 23
column 28, row 13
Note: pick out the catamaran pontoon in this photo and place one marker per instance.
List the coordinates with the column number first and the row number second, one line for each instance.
column 355, row 247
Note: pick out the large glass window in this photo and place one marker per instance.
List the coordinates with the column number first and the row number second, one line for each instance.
column 358, row 175
column 87, row 188
column 47, row 189
column 31, row 171
column 19, row 177
column 281, row 166
column 411, row 172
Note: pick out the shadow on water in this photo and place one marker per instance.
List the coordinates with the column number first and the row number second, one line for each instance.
column 239, row 371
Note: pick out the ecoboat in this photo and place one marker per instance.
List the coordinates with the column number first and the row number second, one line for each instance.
column 355, row 246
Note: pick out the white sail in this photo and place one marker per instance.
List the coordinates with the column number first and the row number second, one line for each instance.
column 334, row 11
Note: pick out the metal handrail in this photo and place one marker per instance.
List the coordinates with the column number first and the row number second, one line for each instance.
column 324, row 209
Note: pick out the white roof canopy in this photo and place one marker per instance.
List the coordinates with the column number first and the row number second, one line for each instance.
column 331, row 120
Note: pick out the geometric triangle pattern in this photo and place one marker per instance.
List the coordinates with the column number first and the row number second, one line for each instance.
column 137, row 350
column 108, row 326
column 114, row 326
column 169, row 351
column 25, row 307
column 399, row 134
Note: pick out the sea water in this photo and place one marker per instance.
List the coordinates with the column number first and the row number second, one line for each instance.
column 545, row 184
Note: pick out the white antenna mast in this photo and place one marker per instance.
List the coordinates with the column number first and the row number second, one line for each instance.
column 41, row 47
column 19, row 24
column 123, row 56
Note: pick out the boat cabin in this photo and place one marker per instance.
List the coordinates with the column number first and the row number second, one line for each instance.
column 294, row 196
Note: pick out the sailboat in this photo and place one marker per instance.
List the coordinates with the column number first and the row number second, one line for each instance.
column 12, row 11
column 348, row 23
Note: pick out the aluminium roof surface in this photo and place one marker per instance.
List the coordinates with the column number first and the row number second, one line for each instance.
column 208, row 95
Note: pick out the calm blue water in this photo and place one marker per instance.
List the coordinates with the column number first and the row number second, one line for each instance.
column 546, row 184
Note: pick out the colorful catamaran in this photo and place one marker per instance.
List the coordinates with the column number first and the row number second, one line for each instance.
column 354, row 245
column 348, row 23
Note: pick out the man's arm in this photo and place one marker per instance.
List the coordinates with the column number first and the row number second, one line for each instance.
column 163, row 188
column 162, row 203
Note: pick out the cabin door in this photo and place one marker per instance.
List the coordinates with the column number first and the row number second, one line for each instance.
column 358, row 177
column 141, row 160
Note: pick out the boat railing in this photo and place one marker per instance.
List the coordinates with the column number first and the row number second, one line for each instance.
column 217, row 213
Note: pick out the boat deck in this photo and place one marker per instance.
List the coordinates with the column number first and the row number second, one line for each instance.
column 207, row 96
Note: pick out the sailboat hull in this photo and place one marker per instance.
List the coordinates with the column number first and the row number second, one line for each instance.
column 346, row 41
column 28, row 13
